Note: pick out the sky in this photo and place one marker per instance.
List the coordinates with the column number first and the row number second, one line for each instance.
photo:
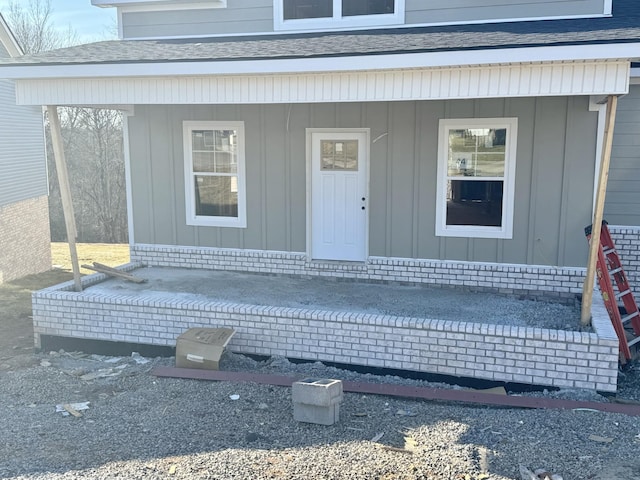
column 91, row 23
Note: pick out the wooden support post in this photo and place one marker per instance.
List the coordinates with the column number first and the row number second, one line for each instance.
column 65, row 191
column 598, row 211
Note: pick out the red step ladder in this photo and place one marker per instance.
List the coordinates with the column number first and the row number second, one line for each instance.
column 609, row 267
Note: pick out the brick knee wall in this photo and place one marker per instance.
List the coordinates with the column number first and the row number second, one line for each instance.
column 25, row 239
column 490, row 352
column 627, row 241
column 533, row 281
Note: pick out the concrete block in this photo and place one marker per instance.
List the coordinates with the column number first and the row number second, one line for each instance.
column 320, row 392
column 316, row 414
column 317, row 400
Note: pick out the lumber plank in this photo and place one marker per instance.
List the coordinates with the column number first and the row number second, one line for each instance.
column 112, row 272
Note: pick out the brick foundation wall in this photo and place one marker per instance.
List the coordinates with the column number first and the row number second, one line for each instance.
column 484, row 351
column 539, row 282
column 25, row 241
column 627, row 241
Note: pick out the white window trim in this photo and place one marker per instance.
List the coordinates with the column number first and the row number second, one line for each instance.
column 199, row 220
column 337, row 21
column 508, row 195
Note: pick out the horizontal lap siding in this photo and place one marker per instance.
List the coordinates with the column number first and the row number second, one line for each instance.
column 623, row 201
column 419, row 11
column 243, row 16
column 554, row 177
column 256, row 16
column 23, row 172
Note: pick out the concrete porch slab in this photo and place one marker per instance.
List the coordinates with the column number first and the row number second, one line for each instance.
column 435, row 330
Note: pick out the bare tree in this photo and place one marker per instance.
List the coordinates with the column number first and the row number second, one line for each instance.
column 32, row 26
column 92, row 141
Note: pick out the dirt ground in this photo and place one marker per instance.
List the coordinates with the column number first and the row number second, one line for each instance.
column 16, row 328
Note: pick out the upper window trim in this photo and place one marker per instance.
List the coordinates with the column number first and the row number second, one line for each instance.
column 145, row 5
column 337, row 22
column 199, row 220
column 473, row 231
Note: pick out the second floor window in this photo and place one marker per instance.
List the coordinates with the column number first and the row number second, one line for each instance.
column 319, row 14
column 299, row 9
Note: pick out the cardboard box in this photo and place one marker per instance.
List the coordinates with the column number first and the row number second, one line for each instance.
column 202, row 347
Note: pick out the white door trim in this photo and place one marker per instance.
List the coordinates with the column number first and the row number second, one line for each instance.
column 367, row 163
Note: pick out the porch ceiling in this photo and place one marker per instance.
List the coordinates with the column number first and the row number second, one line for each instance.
column 520, row 80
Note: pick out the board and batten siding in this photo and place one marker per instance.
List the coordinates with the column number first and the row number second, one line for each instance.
column 554, row 177
column 256, row 16
column 622, row 205
column 23, row 170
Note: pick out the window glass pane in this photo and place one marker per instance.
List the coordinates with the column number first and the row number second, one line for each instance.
column 476, row 152
column 216, row 196
column 366, row 7
column 296, row 9
column 474, row 202
column 215, row 151
column 339, row 155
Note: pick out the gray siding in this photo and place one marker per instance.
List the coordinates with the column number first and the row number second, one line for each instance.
column 622, row 205
column 23, row 173
column 252, row 16
column 240, row 16
column 554, row 177
column 419, row 11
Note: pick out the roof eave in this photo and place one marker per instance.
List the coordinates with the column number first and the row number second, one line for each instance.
column 350, row 63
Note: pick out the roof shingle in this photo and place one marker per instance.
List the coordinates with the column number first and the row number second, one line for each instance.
column 622, row 27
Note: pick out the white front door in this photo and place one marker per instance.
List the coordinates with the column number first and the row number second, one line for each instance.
column 339, row 203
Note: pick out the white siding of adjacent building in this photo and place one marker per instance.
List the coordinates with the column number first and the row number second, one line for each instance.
column 23, row 172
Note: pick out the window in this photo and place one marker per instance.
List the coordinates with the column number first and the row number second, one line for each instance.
column 327, row 14
column 214, row 174
column 476, row 176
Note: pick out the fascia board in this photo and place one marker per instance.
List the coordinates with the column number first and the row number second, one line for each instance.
column 383, row 62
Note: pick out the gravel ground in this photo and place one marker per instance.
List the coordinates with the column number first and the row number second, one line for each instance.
column 140, row 426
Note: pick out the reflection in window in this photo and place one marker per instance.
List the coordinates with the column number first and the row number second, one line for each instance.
column 475, row 154
column 476, row 176
column 216, row 196
column 339, row 155
column 297, row 9
column 367, row 7
column 214, row 173
column 474, row 203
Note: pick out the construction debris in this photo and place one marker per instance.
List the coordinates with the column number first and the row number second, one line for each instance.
column 405, row 391
column 539, row 474
column 113, row 272
column 72, row 408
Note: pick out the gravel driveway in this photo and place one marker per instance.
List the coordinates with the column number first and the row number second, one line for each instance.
column 140, row 426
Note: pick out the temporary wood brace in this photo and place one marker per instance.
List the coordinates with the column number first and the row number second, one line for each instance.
column 65, row 191
column 598, row 211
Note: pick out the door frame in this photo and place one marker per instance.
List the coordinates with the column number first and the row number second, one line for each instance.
column 309, row 162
